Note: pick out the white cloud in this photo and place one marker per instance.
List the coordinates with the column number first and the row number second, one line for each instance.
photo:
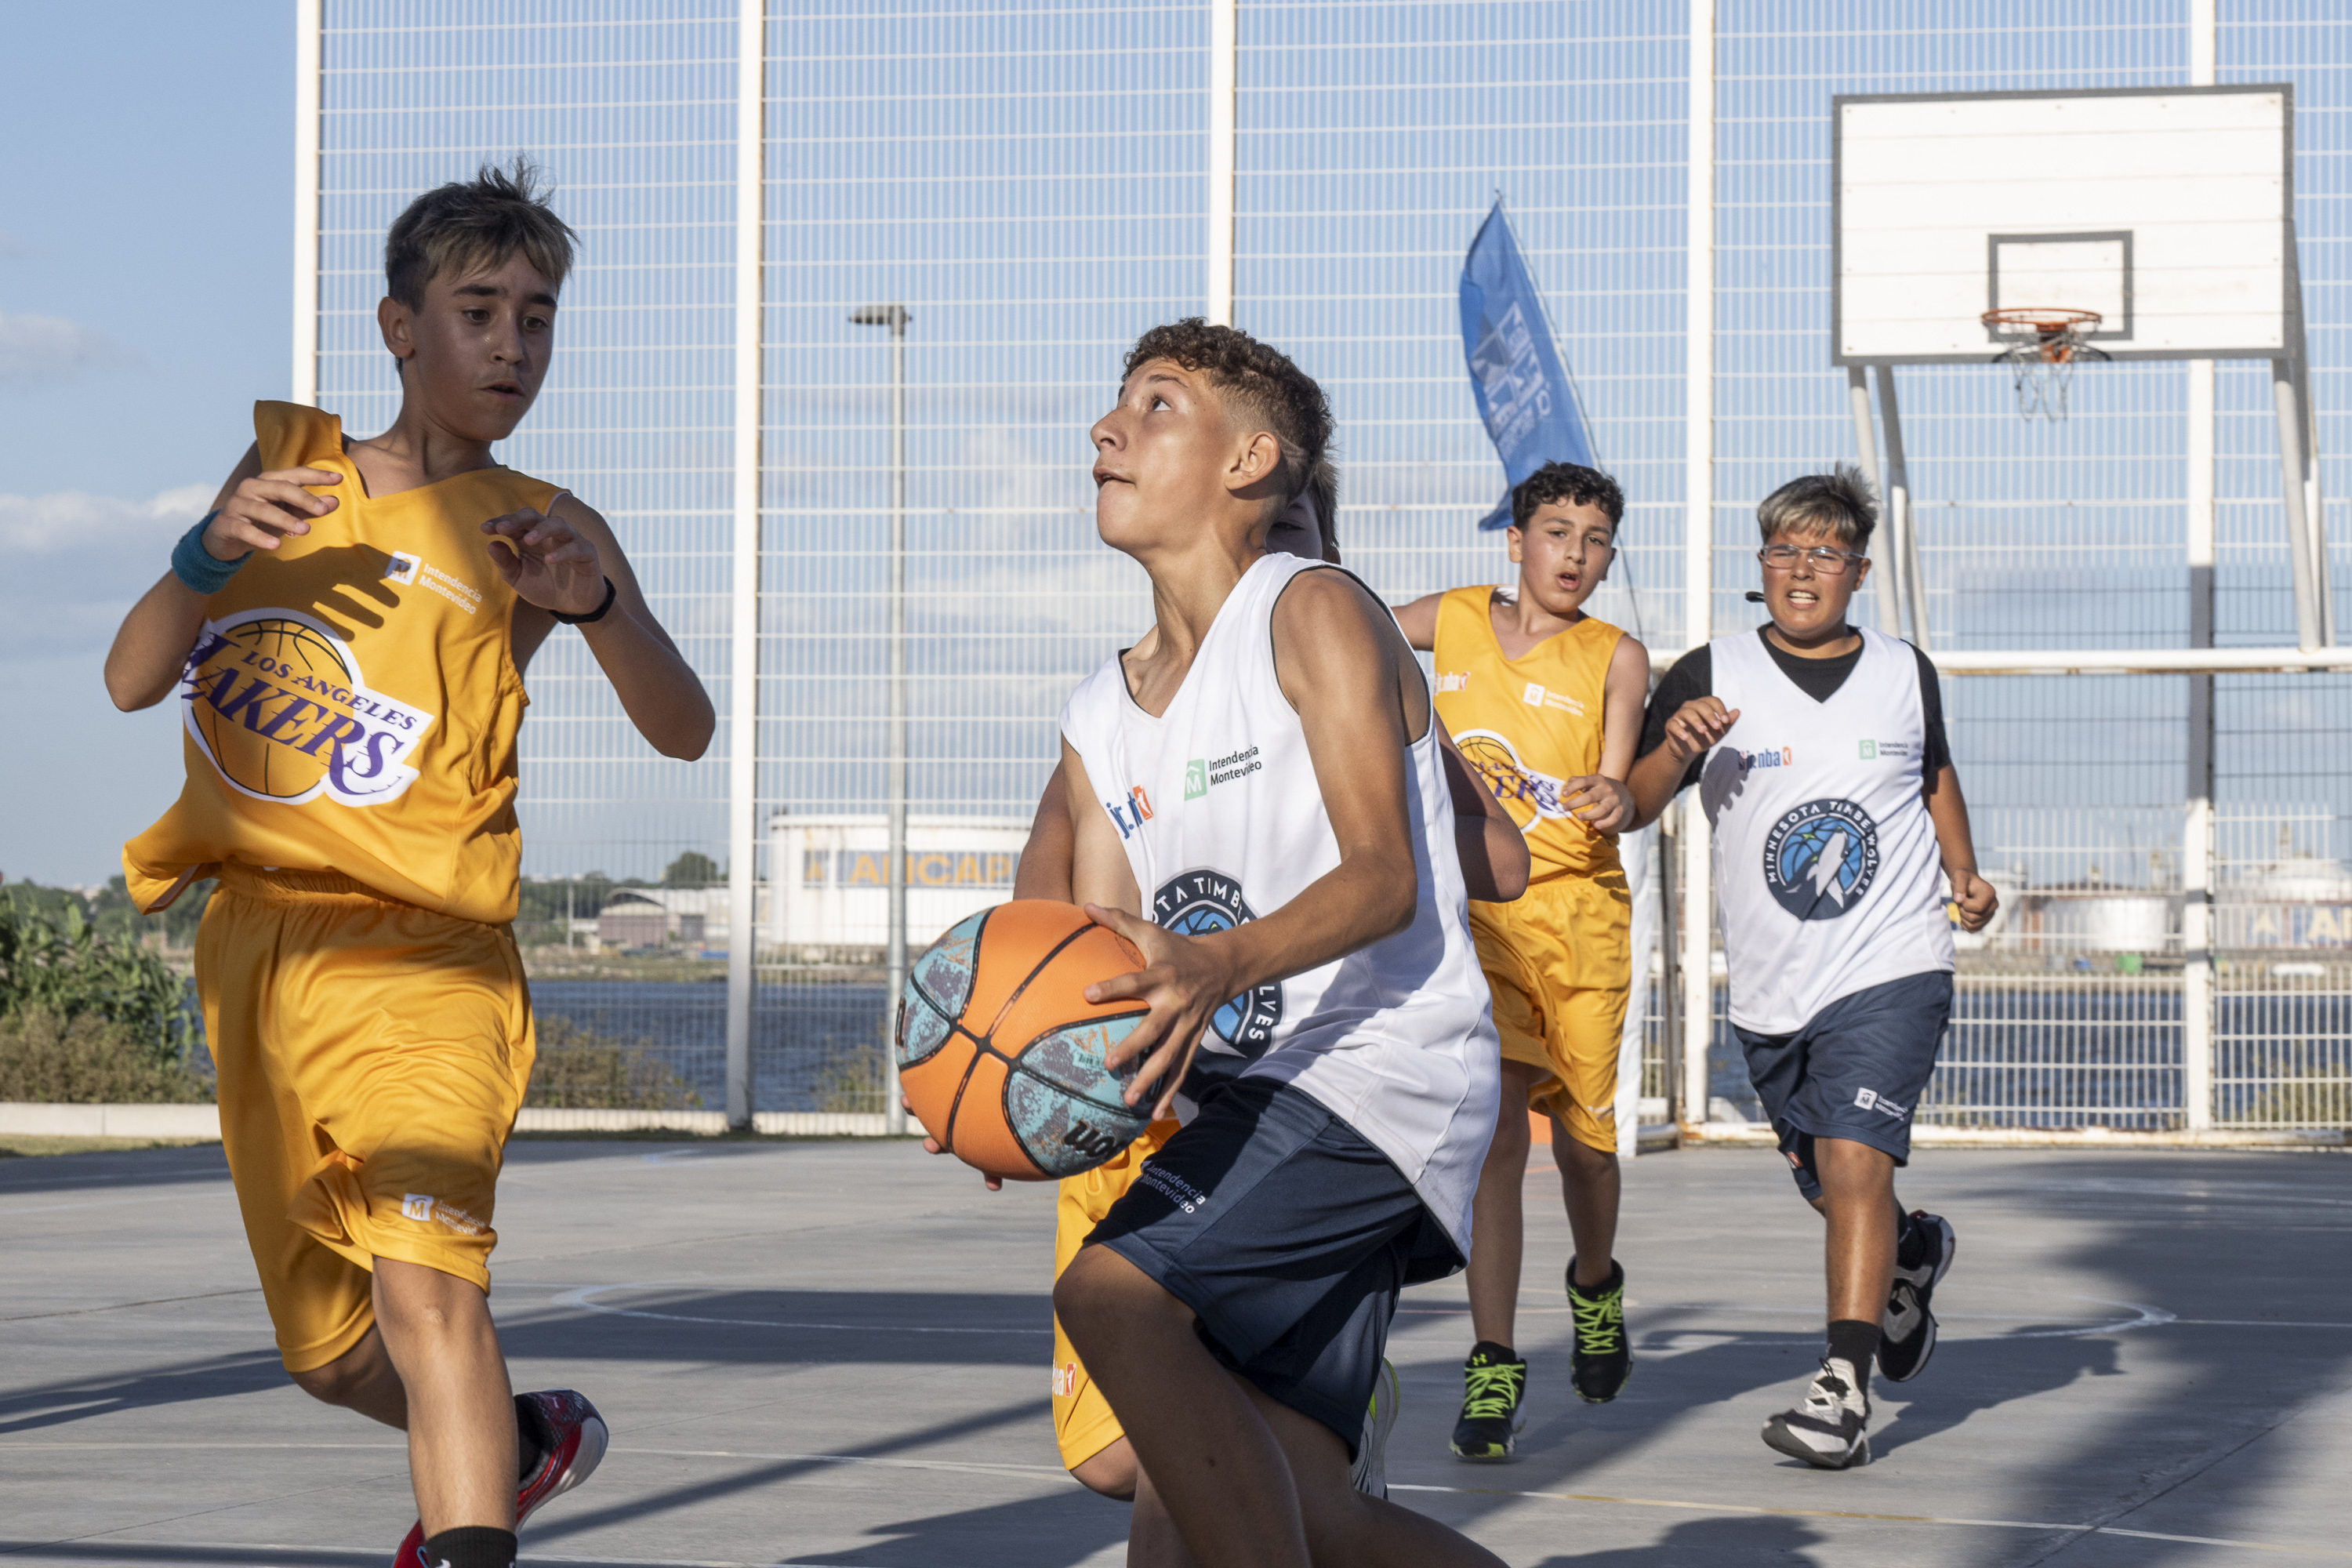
column 65, row 521
column 50, row 347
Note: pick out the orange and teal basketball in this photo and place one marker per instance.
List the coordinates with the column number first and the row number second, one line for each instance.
column 1001, row 1057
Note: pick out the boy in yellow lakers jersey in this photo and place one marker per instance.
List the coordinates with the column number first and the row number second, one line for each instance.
column 1545, row 703
column 347, row 629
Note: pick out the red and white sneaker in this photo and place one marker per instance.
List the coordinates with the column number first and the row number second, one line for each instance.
column 578, row 1439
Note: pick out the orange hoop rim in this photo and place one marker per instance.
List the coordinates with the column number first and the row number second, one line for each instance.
column 2046, row 320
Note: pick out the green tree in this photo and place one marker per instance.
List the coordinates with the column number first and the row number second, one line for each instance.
column 691, row 869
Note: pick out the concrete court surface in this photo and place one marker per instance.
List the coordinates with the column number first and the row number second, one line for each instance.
column 837, row 1353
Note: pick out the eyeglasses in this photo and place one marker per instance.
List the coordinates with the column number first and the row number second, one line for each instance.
column 1827, row 561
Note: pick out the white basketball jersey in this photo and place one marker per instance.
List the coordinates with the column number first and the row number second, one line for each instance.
column 1217, row 806
column 1826, row 866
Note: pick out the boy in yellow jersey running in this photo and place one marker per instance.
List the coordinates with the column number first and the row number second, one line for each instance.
column 1094, row 1448
column 1545, row 703
column 347, row 629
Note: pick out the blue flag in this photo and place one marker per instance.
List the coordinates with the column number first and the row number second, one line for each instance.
column 1524, row 394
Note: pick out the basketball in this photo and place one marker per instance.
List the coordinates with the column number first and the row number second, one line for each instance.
column 1000, row 1054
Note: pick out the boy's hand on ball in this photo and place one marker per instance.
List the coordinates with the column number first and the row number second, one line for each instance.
column 1601, row 803
column 1183, row 982
column 546, row 562
column 1975, row 898
column 1697, row 725
column 266, row 509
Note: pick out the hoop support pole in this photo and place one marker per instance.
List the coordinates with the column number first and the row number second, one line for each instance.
column 1866, row 441
column 743, row 591
column 2289, row 408
column 1911, row 583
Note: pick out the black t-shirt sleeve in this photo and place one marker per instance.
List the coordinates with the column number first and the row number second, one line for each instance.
column 1691, row 676
column 1937, row 750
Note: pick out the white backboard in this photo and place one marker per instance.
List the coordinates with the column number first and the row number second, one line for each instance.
column 2167, row 210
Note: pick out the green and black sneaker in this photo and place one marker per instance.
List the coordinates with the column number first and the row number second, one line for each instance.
column 1603, row 1357
column 1494, row 1383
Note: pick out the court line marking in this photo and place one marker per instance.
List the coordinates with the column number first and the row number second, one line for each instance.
column 1882, row 1518
column 581, row 1298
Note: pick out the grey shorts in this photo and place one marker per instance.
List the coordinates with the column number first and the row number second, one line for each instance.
column 1855, row 1070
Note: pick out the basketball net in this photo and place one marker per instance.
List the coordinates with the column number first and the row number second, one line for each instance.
column 2044, row 343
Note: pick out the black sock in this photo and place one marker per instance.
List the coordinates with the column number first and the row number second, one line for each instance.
column 1493, row 1352
column 471, row 1546
column 532, row 1439
column 1855, row 1342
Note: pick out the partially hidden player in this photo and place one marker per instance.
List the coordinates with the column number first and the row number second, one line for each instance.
column 1818, row 751
column 1545, row 703
column 347, row 629
column 1311, row 984
column 1494, row 866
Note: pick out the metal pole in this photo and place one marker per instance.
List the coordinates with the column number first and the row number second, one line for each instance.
column 308, row 44
column 1670, row 998
column 894, row 1114
column 1698, row 546
column 743, row 632
column 1866, row 441
column 2197, row 827
column 1224, row 34
column 1906, row 541
column 2290, row 487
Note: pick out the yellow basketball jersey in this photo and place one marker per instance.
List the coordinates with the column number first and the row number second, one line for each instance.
column 352, row 702
column 1529, row 725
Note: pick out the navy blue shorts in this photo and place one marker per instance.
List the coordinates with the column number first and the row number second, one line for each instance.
column 1855, row 1070
column 1288, row 1235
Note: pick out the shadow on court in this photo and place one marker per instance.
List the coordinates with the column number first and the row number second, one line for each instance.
column 69, row 1400
column 1708, row 1544
column 779, row 1327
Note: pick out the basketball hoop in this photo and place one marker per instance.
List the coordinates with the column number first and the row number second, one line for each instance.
column 2045, row 344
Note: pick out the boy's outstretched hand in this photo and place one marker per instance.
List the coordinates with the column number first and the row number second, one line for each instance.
column 547, row 562
column 1696, row 726
column 1974, row 898
column 1184, row 980
column 266, row 507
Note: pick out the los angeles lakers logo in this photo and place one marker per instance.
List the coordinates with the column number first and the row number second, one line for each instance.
column 277, row 702
column 1528, row 797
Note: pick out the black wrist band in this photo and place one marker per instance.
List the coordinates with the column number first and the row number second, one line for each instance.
column 597, row 613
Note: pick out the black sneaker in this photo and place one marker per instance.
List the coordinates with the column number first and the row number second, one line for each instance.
column 1494, row 1383
column 1907, row 1336
column 1603, row 1357
column 1830, row 1430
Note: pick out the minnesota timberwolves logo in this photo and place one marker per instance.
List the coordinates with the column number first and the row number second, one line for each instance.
column 1197, row 904
column 1820, row 857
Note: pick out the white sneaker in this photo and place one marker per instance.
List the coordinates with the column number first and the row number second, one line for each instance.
column 1830, row 1430
column 1370, row 1475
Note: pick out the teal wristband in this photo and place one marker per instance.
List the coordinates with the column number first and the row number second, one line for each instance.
column 191, row 563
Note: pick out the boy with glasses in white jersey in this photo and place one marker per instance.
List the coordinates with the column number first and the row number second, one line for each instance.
column 1819, row 754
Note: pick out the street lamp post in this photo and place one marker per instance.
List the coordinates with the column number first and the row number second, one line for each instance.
column 895, row 317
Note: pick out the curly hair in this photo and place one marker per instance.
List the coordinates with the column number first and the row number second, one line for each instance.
column 1839, row 503
column 468, row 224
column 1567, row 484
column 1253, row 378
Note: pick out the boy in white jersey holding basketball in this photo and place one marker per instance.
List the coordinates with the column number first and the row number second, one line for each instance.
column 1820, row 755
column 1233, row 1304
column 1545, row 703
column 1493, row 868
column 360, row 611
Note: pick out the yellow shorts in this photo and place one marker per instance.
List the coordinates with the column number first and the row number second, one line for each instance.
column 1558, row 962
column 1083, row 1423
column 372, row 1056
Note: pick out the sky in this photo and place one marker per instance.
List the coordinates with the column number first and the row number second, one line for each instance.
column 146, row 220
